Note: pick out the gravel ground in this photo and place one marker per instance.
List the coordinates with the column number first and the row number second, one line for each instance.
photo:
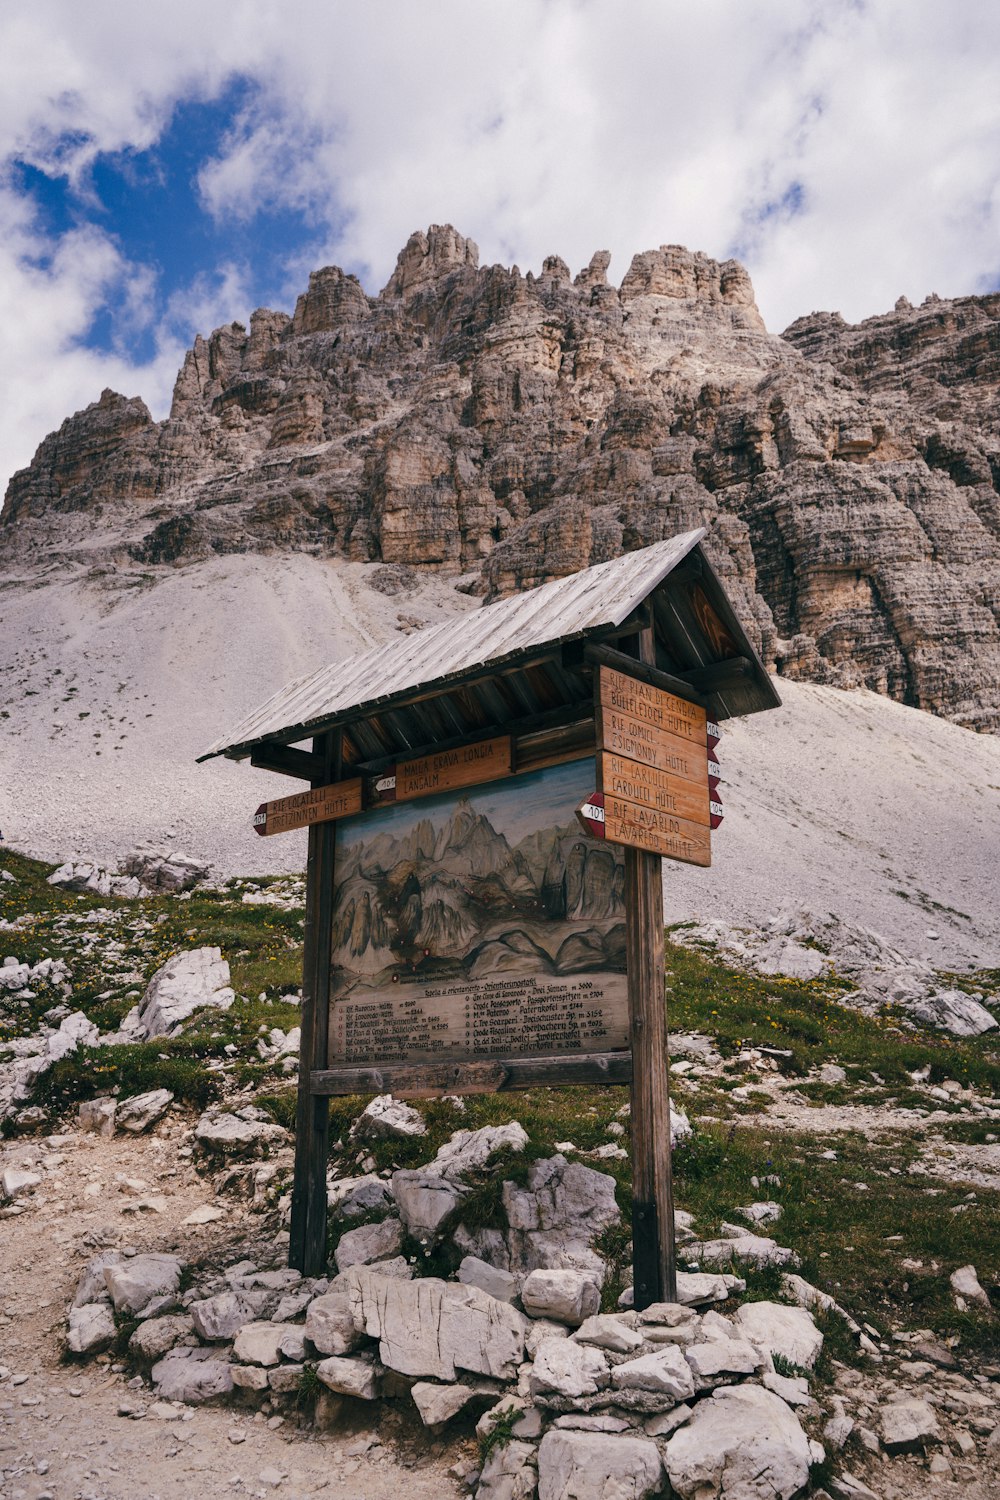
column 60, row 1432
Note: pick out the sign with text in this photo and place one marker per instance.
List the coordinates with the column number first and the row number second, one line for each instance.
column 483, row 925
column 450, row 770
column 657, row 790
column 303, row 808
column 656, row 832
column 640, row 701
column 654, row 768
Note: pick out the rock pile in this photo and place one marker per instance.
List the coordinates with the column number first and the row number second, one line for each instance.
column 572, row 1401
column 808, row 945
column 23, row 1060
column 144, row 871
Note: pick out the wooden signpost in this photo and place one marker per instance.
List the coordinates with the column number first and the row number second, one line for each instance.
column 449, row 770
column 464, row 931
column 657, row 795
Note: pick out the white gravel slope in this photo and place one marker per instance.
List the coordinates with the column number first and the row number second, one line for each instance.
column 839, row 801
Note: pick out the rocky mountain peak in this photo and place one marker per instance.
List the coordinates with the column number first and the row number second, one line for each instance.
column 74, row 464
column 426, row 258
column 502, row 429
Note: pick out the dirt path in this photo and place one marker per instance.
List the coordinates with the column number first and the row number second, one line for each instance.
column 61, row 1434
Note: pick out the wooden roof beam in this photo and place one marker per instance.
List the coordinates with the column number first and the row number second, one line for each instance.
column 288, row 761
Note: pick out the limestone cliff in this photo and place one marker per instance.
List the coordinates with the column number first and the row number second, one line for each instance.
column 505, row 429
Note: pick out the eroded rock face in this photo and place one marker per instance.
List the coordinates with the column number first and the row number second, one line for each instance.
column 434, row 1328
column 471, row 419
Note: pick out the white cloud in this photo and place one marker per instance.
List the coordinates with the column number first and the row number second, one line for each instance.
column 851, row 151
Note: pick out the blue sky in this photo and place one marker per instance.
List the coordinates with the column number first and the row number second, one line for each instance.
column 167, row 169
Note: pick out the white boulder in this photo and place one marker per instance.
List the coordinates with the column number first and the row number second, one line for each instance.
column 92, row 1287
column 563, row 1368
column 564, row 1296
column 187, row 982
column 786, row 1331
column 134, row 1283
column 259, row 1343
column 152, row 1339
column 143, row 1110
column 509, row 1473
column 16, row 1181
column 437, row 1404
column 742, row 1444
column 490, row 1279
column 434, row 1328
column 555, row 1218
column 908, row 1426
column 91, row 1327
column 666, row 1373
column 229, row 1135
column 98, row 1116
column 424, row 1200
column 607, row 1331
column 193, row 1376
column 954, row 1012
column 698, row 1288
column 470, row 1150
column 386, row 1118
column 372, row 1242
column 349, row 1377
column 219, row 1318
column 165, row 870
column 330, row 1325
column 965, row 1284
column 597, row 1466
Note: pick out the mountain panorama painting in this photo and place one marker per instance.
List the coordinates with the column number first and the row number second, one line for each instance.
column 485, row 924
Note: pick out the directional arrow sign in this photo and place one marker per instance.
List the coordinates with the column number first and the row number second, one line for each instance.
column 302, row 808
column 591, row 815
column 715, row 811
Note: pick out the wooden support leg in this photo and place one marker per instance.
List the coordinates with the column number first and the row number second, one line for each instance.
column 307, row 1244
column 654, row 1259
column 653, row 1255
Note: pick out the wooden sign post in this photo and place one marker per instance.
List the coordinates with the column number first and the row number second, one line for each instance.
column 653, row 772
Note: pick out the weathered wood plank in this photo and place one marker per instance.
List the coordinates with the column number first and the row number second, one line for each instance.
column 657, row 832
column 320, row 805
column 648, row 787
column 450, row 770
column 497, row 1075
column 634, row 739
column 720, row 675
column 288, row 761
column 651, row 705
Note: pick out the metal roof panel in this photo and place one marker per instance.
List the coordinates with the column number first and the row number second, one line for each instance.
column 510, row 629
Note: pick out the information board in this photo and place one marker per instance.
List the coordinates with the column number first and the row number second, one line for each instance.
column 478, row 926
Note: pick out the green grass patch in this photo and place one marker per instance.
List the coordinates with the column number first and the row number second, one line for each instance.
column 744, row 1010
column 132, row 1069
